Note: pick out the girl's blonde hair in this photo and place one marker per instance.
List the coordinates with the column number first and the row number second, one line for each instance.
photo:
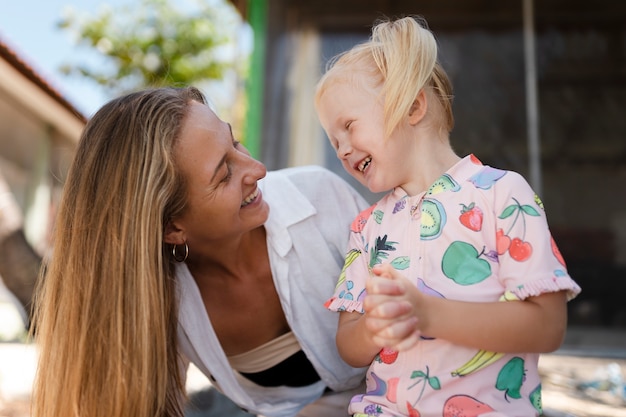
column 105, row 315
column 401, row 57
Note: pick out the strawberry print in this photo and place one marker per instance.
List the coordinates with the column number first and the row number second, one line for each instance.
column 412, row 411
column 387, row 356
column 474, row 230
column 471, row 217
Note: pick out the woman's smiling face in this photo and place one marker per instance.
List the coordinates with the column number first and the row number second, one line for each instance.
column 223, row 199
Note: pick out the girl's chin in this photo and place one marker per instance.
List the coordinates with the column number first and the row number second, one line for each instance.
column 378, row 190
column 371, row 185
column 375, row 188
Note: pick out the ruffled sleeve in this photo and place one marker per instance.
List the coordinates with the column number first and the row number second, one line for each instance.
column 530, row 261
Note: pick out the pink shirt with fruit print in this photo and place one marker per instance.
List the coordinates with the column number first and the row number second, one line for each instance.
column 477, row 234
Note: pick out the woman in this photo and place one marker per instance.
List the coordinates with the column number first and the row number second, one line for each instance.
column 166, row 251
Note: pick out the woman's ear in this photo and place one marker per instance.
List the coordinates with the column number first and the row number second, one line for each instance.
column 172, row 234
column 418, row 108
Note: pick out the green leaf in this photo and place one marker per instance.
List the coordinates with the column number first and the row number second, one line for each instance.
column 417, row 374
column 508, row 211
column 378, row 216
column 530, row 210
column 401, row 263
column 434, row 382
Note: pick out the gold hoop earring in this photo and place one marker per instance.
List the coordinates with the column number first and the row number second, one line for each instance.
column 180, row 257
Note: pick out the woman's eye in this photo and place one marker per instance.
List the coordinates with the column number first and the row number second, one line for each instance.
column 229, row 173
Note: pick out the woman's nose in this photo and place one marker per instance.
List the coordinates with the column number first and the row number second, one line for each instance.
column 256, row 169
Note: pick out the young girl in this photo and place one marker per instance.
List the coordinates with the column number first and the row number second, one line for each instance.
column 452, row 284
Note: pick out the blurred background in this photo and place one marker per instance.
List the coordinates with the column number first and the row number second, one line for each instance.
column 540, row 88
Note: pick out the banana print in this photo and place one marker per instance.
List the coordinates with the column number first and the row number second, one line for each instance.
column 509, row 296
column 350, row 258
column 480, row 360
column 437, row 377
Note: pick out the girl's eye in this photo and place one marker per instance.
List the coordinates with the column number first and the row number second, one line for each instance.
column 348, row 124
column 236, row 143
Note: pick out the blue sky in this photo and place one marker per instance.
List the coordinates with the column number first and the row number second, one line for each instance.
column 29, row 27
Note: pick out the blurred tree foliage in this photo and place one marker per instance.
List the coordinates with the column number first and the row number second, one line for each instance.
column 153, row 43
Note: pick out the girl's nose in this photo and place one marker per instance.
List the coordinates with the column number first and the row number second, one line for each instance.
column 344, row 150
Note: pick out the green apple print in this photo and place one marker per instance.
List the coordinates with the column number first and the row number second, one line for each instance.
column 511, row 377
column 535, row 399
column 463, row 264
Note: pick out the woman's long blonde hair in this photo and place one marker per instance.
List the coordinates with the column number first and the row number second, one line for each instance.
column 401, row 57
column 105, row 317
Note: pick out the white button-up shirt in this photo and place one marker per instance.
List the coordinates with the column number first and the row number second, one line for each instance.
column 307, row 233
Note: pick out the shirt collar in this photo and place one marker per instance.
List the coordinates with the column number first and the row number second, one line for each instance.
column 288, row 206
column 454, row 176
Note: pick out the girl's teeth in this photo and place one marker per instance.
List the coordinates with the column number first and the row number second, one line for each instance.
column 364, row 163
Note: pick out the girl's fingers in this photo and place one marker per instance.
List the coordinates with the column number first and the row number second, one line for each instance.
column 397, row 344
column 407, row 343
column 390, row 317
column 386, row 308
column 384, row 286
column 389, row 309
column 396, row 329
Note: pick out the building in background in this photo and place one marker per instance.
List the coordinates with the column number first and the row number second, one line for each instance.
column 554, row 79
column 39, row 131
column 553, row 112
